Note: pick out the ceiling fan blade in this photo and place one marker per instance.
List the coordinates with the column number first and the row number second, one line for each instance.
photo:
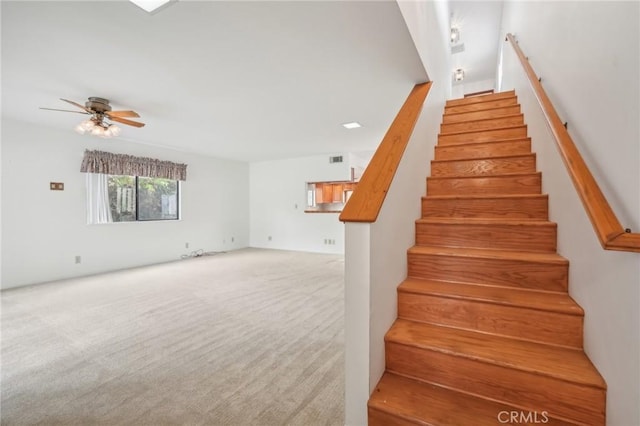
column 127, row 122
column 66, row 110
column 121, row 114
column 77, row 104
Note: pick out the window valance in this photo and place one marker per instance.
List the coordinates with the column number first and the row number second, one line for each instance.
column 120, row 164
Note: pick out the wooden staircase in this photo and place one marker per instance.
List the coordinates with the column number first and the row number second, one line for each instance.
column 487, row 333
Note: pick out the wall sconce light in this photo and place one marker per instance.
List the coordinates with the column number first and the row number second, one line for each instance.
column 455, row 35
column 458, row 75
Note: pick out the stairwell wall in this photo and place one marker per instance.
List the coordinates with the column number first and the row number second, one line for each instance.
column 587, row 58
column 375, row 253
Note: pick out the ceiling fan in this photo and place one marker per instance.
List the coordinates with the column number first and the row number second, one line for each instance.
column 101, row 113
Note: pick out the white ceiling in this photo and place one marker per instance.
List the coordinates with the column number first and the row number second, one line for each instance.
column 241, row 80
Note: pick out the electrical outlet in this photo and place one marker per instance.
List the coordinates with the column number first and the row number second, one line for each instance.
column 56, row 186
column 78, row 259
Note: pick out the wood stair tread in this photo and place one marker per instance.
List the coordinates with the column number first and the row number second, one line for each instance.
column 476, row 120
column 485, row 221
column 531, row 299
column 565, row 364
column 482, row 196
column 424, row 403
column 525, row 256
column 464, row 132
column 462, row 145
column 494, row 175
column 461, row 117
column 488, row 157
column 480, row 98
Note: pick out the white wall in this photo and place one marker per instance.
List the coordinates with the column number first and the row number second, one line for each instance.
column 587, row 57
column 43, row 230
column 375, row 254
column 279, row 198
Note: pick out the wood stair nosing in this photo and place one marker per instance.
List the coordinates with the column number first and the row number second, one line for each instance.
column 481, row 98
column 483, row 149
column 480, row 106
column 505, row 268
column 511, row 132
column 499, row 206
column 512, row 183
column 539, row 236
column 482, row 124
column 402, row 400
column 493, row 165
column 562, row 380
column 485, row 113
column 508, row 316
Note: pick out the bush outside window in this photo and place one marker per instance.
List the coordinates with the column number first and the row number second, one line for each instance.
column 136, row 198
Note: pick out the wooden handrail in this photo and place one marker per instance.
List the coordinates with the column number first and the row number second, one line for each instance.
column 366, row 201
column 605, row 223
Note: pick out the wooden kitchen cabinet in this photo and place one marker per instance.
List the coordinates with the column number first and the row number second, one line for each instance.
column 337, row 194
column 328, row 197
column 327, row 193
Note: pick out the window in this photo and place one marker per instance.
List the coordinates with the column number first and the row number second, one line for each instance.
column 136, row 198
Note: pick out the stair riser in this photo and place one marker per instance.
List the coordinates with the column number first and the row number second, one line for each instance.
column 481, row 115
column 540, row 238
column 499, row 103
column 486, row 166
column 483, row 136
column 483, row 150
column 535, row 208
column 518, row 184
column 486, row 124
column 531, row 324
column 380, row 418
column 479, row 99
column 560, row 398
column 500, row 272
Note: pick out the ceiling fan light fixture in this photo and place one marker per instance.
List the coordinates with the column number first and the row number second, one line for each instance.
column 112, row 131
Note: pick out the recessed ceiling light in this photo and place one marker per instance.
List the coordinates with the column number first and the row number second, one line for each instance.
column 352, row 125
column 150, row 5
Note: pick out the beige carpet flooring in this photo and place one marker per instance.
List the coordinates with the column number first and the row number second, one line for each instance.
column 251, row 337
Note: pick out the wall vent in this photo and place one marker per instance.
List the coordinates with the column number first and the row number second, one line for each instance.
column 336, row 159
column 458, row 48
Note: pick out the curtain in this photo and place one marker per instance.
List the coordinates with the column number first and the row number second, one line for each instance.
column 119, row 164
column 98, row 210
